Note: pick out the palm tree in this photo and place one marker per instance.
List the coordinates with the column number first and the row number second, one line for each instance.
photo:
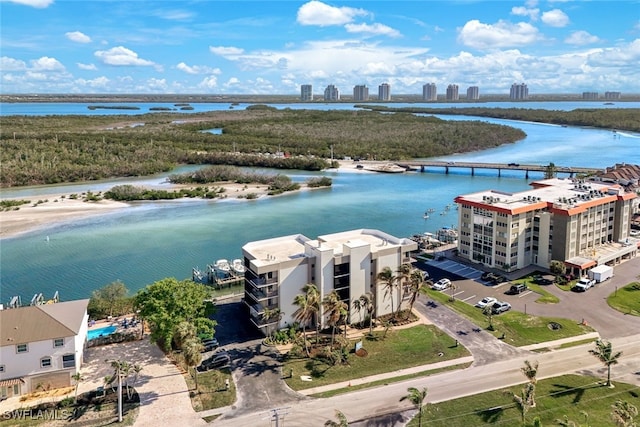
column 118, row 368
column 313, row 301
column 523, row 401
column 304, row 314
column 78, row 378
column 604, row 353
column 417, row 285
column 334, row 309
column 416, row 397
column 342, row 421
column 182, row 332
column 269, row 314
column 624, row 413
column 365, row 302
column 192, row 352
column 404, row 274
column 488, row 311
column 388, row 281
column 136, row 373
column 530, row 370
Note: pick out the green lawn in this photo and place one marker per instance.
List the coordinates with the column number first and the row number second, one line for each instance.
column 212, row 391
column 568, row 395
column 402, row 348
column 626, row 299
column 519, row 329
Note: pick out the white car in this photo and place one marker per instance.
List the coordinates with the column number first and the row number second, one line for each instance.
column 486, row 301
column 441, row 284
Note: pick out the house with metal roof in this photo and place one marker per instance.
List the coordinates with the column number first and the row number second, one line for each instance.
column 41, row 346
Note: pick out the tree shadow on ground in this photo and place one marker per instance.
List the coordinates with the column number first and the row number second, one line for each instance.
column 562, row 390
column 491, row 415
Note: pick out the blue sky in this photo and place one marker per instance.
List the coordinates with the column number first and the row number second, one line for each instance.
column 273, row 47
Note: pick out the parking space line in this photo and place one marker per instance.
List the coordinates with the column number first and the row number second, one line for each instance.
column 525, row 293
column 468, row 298
column 458, row 293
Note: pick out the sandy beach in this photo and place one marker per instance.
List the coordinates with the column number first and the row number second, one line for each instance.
column 57, row 208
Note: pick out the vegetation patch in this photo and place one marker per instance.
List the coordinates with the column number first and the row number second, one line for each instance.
column 583, row 400
column 212, row 389
column 516, row 328
column 402, row 348
column 12, row 205
column 627, row 299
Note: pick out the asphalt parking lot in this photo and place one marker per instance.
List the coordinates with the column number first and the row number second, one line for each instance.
column 590, row 306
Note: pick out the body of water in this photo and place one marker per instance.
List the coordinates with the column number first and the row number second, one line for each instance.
column 154, row 240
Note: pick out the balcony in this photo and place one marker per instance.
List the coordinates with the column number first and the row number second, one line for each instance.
column 259, row 282
column 259, row 294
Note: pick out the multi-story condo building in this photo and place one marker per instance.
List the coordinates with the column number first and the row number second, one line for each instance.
column 473, row 93
column 429, row 92
column 612, row 95
column 331, row 93
column 384, row 92
column 360, row 93
column 306, row 93
column 590, row 96
column 347, row 262
column 41, row 345
column 583, row 224
column 452, row 93
column 519, row 91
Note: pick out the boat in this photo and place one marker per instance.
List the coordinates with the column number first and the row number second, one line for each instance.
column 387, row 168
column 238, row 267
column 222, row 265
column 197, row 275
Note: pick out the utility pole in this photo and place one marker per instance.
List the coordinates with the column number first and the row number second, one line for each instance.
column 277, row 415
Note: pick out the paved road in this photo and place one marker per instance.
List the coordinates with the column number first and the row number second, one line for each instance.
column 365, row 404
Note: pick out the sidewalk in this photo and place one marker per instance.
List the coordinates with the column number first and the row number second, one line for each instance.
column 386, row 375
column 557, row 343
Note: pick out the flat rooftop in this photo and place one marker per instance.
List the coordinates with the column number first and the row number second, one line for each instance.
column 562, row 193
column 376, row 239
column 268, row 251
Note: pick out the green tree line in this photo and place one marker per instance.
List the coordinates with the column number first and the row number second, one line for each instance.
column 56, row 149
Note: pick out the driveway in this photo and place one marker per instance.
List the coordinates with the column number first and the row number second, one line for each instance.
column 164, row 397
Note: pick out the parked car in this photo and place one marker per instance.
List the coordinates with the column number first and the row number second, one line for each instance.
column 487, row 276
column 441, row 284
column 497, row 279
column 543, row 281
column 500, row 307
column 210, row 344
column 583, row 284
column 517, row 289
column 218, row 360
column 486, row 301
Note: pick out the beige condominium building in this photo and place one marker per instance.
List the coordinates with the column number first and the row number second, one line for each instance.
column 347, row 262
column 583, row 224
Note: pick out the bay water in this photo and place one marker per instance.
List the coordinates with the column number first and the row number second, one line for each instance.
column 153, row 240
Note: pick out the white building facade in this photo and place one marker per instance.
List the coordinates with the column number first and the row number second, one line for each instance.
column 41, row 346
column 277, row 269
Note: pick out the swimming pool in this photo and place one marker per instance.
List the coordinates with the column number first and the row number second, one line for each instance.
column 96, row 333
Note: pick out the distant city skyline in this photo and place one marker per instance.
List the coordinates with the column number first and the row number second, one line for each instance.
column 275, row 47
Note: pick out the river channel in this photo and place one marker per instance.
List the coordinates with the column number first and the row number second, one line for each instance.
column 154, row 240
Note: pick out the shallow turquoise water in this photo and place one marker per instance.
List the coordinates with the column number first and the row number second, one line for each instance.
column 151, row 241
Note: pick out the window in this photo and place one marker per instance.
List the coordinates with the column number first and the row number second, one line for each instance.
column 69, row 361
column 58, row 342
column 45, row 362
column 22, row 348
column 2, row 368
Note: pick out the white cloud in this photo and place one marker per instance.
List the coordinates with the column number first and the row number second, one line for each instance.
column 197, row 69
column 581, row 38
column 47, row 64
column 555, row 18
column 11, row 64
column 500, row 35
column 524, row 11
column 121, row 56
column 78, row 37
column 323, row 15
column 376, row 29
column 226, row 50
column 98, row 82
column 38, row 4
column 210, row 82
column 153, row 84
column 87, row 67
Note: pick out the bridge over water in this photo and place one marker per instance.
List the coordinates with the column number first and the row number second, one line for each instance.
column 422, row 165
